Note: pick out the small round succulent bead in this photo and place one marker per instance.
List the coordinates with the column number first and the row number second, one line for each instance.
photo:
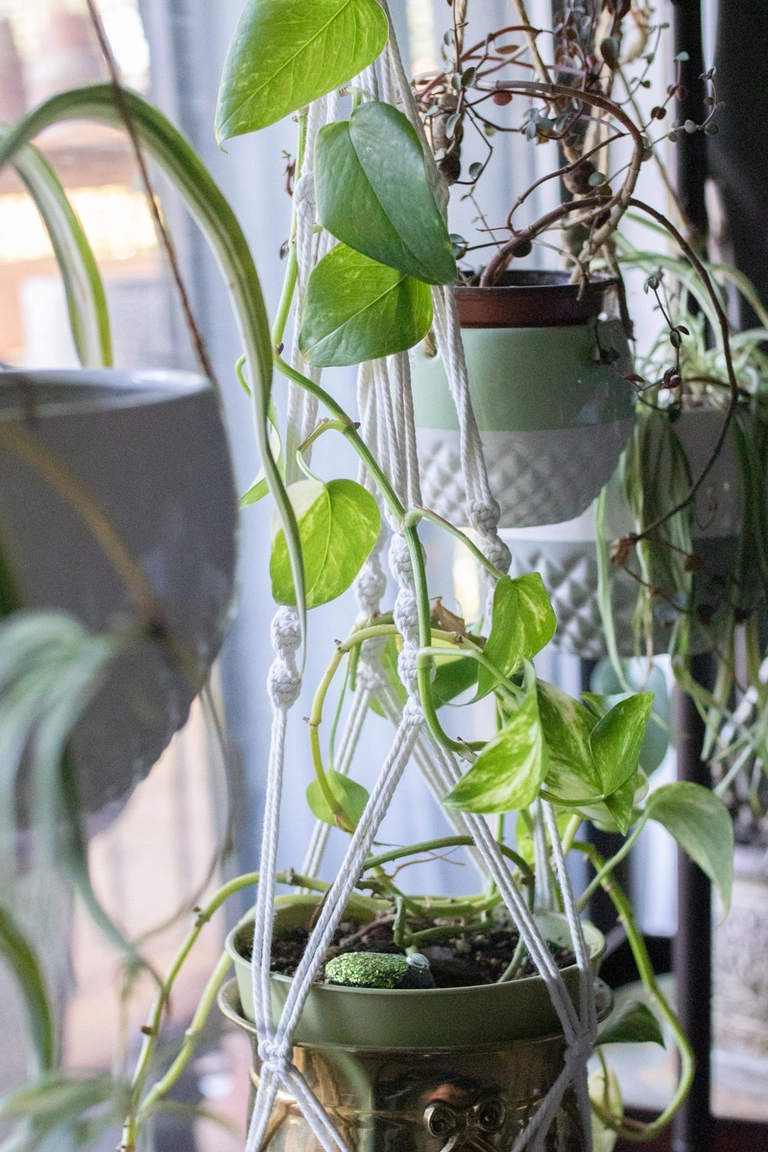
column 379, row 970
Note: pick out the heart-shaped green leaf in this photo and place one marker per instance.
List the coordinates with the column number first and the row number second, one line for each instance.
column 373, row 194
column 509, row 771
column 617, row 738
column 286, row 53
column 634, row 1024
column 357, row 309
column 339, row 524
column 568, row 726
column 452, row 677
column 523, row 623
column 350, row 796
column 702, row 826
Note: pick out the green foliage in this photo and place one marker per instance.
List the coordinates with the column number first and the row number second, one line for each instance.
column 634, row 1024
column 357, row 309
column 286, row 53
column 453, row 675
column 86, row 302
column 374, row 196
column 594, row 762
column 617, row 738
column 523, row 623
column 64, row 1111
column 350, row 796
column 218, row 223
column 50, row 669
column 19, row 955
column 259, row 489
column 608, row 690
column 702, row 826
column 338, row 523
column 509, row 771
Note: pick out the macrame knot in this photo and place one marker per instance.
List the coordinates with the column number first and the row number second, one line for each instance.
column 412, row 711
column 284, row 681
column 495, row 550
column 304, row 191
column 370, row 586
column 484, row 515
column 275, row 1058
column 400, row 562
column 580, row 1049
column 286, row 632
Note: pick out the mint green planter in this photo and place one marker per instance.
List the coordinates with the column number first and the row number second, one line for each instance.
column 445, row 1070
column 553, row 417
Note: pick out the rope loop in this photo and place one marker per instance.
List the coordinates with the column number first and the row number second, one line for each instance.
column 275, row 1058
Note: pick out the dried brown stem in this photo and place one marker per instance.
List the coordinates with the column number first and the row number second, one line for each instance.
column 201, row 352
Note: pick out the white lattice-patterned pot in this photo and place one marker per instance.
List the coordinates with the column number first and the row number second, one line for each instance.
column 566, row 557
column 547, row 387
column 150, row 449
column 740, row 1004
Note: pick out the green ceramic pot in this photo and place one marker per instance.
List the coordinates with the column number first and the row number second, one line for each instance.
column 445, row 1070
column 546, row 368
column 414, row 1018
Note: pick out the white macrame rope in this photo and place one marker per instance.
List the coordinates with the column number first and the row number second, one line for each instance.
column 389, row 426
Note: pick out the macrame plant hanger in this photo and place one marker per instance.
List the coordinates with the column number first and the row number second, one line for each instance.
column 387, row 424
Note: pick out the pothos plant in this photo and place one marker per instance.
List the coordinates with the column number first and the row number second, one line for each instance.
column 379, row 197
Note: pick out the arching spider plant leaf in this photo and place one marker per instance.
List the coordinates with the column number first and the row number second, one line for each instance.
column 286, row 53
column 509, row 771
column 20, row 956
column 86, row 302
column 523, row 622
column 357, row 309
column 339, row 523
column 373, row 194
column 50, row 669
column 219, row 225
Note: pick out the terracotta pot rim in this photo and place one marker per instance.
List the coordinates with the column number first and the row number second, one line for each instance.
column 533, row 298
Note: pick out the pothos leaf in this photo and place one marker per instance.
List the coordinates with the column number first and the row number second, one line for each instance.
column 286, row 53
column 604, row 1090
column 374, row 196
column 350, row 796
column 523, row 623
column 339, row 524
column 702, row 826
column 357, row 309
column 634, row 1024
column 617, row 738
column 509, row 771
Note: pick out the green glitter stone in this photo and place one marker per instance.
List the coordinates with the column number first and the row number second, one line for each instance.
column 379, row 970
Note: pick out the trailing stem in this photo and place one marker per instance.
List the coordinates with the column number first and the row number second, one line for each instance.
column 628, row 1129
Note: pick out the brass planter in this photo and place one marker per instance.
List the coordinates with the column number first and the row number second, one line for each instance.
column 412, row 1070
column 475, row 1099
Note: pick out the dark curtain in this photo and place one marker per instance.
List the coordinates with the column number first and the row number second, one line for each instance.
column 738, row 155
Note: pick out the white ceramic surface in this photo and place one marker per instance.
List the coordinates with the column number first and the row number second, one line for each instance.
column 150, row 448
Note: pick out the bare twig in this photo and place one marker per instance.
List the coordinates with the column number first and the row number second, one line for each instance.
column 201, row 352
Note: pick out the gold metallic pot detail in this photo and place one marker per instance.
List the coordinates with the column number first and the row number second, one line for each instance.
column 423, row 1100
